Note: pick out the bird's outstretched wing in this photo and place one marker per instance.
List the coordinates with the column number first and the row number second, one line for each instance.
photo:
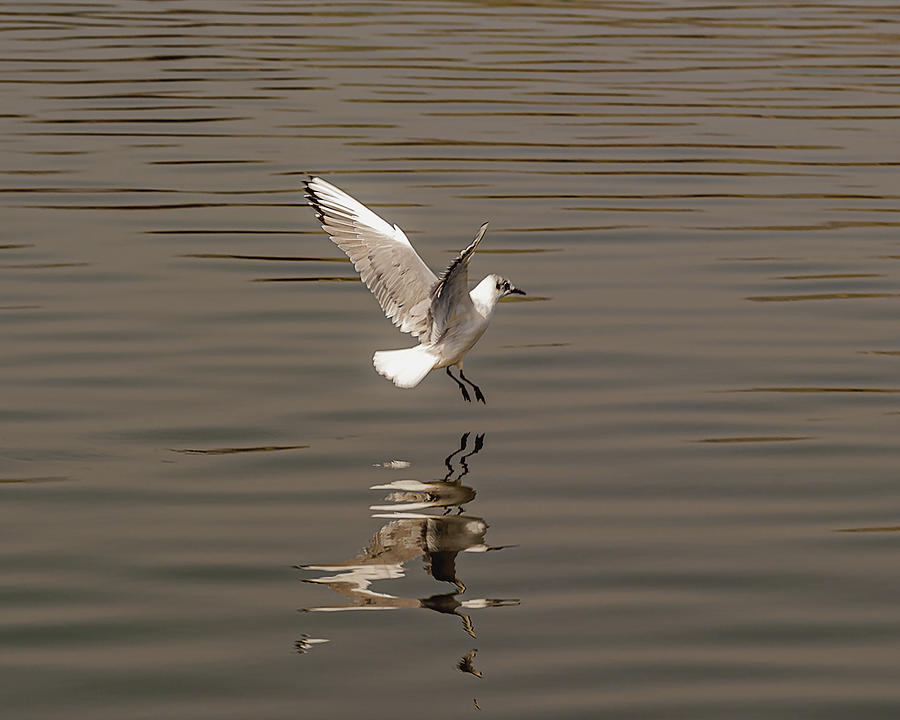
column 450, row 296
column 381, row 253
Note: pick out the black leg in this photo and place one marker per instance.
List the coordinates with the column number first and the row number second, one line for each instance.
column 478, row 394
column 462, row 388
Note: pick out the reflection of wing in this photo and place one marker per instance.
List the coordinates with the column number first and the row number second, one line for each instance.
column 380, row 252
column 466, row 664
column 410, row 495
column 450, row 295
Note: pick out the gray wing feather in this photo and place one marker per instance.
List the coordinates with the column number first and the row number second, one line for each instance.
column 450, row 295
column 381, row 253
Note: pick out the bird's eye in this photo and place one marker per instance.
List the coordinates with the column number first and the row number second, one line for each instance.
column 498, row 286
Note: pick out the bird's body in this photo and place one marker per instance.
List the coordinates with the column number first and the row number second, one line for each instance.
column 440, row 311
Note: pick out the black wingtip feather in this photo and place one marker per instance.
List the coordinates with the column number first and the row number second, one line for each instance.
column 313, row 199
column 309, row 192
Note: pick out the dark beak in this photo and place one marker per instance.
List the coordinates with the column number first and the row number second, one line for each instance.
column 515, row 291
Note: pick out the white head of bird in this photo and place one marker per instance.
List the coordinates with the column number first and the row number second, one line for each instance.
column 486, row 294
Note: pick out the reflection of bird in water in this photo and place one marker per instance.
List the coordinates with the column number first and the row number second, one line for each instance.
column 408, row 535
column 446, row 318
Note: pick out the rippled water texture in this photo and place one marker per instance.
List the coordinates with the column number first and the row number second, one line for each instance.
column 681, row 500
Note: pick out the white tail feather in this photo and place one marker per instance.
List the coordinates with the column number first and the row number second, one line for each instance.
column 405, row 368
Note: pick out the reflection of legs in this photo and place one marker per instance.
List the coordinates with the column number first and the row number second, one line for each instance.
column 463, row 441
column 478, row 394
column 479, row 443
column 462, row 388
column 464, row 467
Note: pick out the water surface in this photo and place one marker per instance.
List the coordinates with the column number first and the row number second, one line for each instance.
column 689, row 451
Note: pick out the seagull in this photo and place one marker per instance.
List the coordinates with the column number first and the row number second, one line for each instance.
column 440, row 312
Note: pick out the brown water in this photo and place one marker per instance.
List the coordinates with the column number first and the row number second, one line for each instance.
column 688, row 459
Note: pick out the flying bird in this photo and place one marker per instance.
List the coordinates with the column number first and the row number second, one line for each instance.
column 440, row 312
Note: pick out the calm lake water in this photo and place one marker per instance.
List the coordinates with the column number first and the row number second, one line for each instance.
column 682, row 498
